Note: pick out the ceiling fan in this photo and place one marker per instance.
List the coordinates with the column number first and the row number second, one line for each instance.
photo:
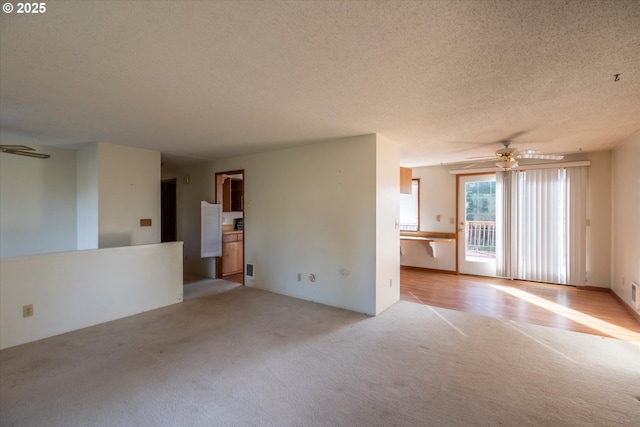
column 507, row 157
column 23, row 150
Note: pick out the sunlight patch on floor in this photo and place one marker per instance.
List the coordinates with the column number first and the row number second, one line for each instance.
column 577, row 316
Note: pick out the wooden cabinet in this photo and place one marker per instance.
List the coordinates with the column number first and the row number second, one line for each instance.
column 232, row 195
column 232, row 253
column 406, row 175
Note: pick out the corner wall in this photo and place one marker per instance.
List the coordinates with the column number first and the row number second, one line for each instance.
column 327, row 209
column 599, row 230
column 87, row 201
column 387, row 220
column 437, row 197
column 201, row 187
column 625, row 236
column 312, row 210
column 38, row 203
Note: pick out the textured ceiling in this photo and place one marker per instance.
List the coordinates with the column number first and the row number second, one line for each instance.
column 208, row 80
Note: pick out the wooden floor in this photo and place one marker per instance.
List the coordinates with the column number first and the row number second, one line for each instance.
column 234, row 278
column 565, row 307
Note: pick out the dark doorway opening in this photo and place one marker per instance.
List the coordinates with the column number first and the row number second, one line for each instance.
column 168, row 218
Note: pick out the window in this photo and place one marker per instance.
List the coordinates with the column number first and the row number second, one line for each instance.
column 410, row 208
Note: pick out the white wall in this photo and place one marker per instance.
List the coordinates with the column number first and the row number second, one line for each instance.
column 599, row 230
column 626, row 218
column 73, row 290
column 38, row 203
column 310, row 209
column 129, row 190
column 387, row 218
column 87, row 201
column 91, row 198
column 229, row 217
column 437, row 197
column 201, row 187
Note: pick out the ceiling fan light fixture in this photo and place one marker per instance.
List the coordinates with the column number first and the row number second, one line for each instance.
column 507, row 152
column 507, row 164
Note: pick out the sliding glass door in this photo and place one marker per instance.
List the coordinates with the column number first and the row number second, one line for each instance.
column 524, row 224
column 543, row 237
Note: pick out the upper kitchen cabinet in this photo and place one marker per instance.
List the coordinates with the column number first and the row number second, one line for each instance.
column 232, row 195
column 406, row 176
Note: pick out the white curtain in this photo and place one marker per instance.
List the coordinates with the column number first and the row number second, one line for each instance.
column 577, row 183
column 542, row 219
column 506, row 217
column 541, row 228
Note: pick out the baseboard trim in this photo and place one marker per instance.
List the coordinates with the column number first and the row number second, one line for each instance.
column 626, row 306
column 430, row 270
column 593, row 288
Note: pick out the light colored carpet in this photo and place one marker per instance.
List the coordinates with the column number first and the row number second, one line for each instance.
column 249, row 357
column 205, row 287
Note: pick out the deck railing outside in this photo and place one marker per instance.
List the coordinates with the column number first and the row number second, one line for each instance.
column 481, row 238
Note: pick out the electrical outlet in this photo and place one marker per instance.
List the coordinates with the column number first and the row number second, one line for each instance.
column 299, row 277
column 27, row 310
column 390, row 283
column 635, row 298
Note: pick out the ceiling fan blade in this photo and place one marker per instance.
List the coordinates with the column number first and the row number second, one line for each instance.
column 470, row 165
column 541, row 156
column 16, row 148
column 473, row 165
column 514, row 136
column 27, row 153
column 476, row 158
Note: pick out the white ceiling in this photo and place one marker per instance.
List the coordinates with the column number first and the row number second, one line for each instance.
column 213, row 79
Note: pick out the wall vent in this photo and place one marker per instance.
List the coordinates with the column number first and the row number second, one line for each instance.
column 635, row 298
column 250, row 271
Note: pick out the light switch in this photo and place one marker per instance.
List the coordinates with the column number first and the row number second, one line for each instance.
column 438, row 218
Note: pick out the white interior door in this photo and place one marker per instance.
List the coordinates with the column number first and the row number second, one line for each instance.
column 210, row 230
column 477, row 224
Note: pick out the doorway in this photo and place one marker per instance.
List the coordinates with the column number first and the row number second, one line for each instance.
column 168, row 217
column 230, row 194
column 477, row 224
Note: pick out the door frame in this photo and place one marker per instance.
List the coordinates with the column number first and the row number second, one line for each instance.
column 458, row 213
column 219, row 179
